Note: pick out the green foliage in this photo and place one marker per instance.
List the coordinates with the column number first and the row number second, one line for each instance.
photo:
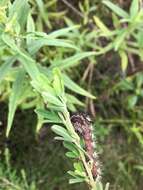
column 126, row 36
column 9, row 179
column 82, row 170
column 40, row 46
column 22, row 47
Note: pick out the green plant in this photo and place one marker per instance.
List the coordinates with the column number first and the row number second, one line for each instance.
column 98, row 34
column 58, row 113
column 28, row 83
column 19, row 48
column 126, row 37
column 9, row 179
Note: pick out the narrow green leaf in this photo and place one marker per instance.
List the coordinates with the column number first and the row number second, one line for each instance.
column 30, row 65
column 43, row 13
column 116, row 21
column 50, row 115
column 43, row 84
column 116, row 9
column 72, row 155
column 39, row 43
column 76, row 180
column 25, row 59
column 30, row 28
column 71, row 107
column 70, row 146
column 40, row 5
column 30, row 24
column 58, row 82
column 72, row 174
column 102, row 26
column 75, row 88
column 78, row 166
column 5, row 68
column 10, row 42
column 120, row 39
column 21, row 8
column 55, row 108
column 73, row 100
column 62, row 132
column 62, row 32
column 13, row 101
column 124, row 60
column 72, row 61
column 40, row 119
column 69, row 84
column 51, row 99
column 134, row 8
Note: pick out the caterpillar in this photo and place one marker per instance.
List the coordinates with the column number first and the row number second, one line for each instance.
column 83, row 126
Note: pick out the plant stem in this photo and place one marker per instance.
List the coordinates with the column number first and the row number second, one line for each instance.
column 70, row 128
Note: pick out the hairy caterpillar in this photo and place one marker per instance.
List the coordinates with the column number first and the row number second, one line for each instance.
column 83, row 126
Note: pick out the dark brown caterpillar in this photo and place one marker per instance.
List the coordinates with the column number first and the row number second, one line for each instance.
column 83, row 126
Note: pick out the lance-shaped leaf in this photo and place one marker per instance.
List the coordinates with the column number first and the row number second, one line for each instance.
column 50, row 116
column 76, row 180
column 72, row 155
column 5, row 68
column 40, row 42
column 124, row 60
column 58, row 82
column 72, row 61
column 24, row 58
column 22, row 9
column 76, row 88
column 62, row 32
column 14, row 98
column 102, row 26
column 116, row 9
column 73, row 152
column 62, row 132
column 134, row 9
